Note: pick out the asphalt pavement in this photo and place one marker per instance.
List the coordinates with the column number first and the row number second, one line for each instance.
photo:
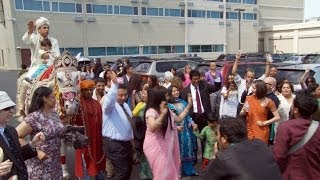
column 8, row 84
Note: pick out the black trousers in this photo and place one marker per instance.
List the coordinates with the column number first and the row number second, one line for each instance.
column 120, row 155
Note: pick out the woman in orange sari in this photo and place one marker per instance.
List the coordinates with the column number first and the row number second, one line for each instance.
column 256, row 110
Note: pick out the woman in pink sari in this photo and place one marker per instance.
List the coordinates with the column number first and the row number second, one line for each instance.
column 161, row 145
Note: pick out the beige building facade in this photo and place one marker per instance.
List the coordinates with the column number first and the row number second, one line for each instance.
column 299, row 38
column 110, row 29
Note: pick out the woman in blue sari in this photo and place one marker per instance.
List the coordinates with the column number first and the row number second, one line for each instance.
column 187, row 140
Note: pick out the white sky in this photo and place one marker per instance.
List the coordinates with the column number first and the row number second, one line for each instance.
column 312, row 8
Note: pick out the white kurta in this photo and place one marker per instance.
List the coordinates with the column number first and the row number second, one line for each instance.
column 34, row 42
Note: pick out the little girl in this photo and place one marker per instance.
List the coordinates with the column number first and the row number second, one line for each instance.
column 44, row 54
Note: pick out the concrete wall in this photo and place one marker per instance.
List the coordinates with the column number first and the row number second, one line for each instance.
column 276, row 12
column 298, row 38
column 9, row 53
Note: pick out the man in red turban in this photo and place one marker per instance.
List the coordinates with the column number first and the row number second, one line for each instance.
column 90, row 116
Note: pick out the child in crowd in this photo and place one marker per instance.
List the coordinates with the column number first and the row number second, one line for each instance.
column 209, row 135
column 46, row 59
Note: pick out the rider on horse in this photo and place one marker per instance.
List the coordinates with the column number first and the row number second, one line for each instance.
column 38, row 55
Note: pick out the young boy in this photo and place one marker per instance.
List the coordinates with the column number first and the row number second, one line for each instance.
column 46, row 58
column 209, row 135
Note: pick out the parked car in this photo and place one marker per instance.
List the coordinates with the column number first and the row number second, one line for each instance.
column 134, row 61
column 294, row 73
column 315, row 60
column 294, row 60
column 228, row 57
column 309, row 57
column 205, row 66
column 258, row 67
column 159, row 67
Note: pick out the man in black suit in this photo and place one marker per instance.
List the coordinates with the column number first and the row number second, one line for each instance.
column 128, row 72
column 200, row 92
column 240, row 158
column 12, row 153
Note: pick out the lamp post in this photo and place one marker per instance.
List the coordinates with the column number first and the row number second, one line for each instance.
column 239, row 18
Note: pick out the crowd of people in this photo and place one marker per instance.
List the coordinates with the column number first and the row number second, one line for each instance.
column 248, row 128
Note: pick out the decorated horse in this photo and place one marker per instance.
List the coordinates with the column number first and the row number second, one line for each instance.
column 63, row 78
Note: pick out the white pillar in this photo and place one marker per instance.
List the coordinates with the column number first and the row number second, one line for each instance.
column 296, row 41
column 266, row 42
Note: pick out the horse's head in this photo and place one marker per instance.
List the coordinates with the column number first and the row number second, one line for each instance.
column 67, row 83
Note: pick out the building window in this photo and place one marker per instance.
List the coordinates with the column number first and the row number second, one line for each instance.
column 18, row 4
column 218, row 48
column 164, row 49
column 78, row 8
column 196, row 13
column 174, row 13
column 97, row 51
column 178, row 49
column 143, row 11
column 232, row 15
column 99, row 9
column 32, row 5
column 131, row 50
column 102, row 9
column 75, row 51
column 249, row 16
column 206, row 48
column 55, row 7
column 37, row 5
column 194, row 48
column 110, row 9
column 66, row 7
column 234, row 1
column 250, row 1
column 46, row 6
column 114, row 51
column 126, row 10
column 150, row 50
column 160, row 11
column 153, row 12
column 116, row 10
column 215, row 14
column 88, row 8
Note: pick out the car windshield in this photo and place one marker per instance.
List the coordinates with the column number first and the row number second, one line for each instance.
column 259, row 69
column 292, row 75
column 143, row 67
column 164, row 66
column 315, row 60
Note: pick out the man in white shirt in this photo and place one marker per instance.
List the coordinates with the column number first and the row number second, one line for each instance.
column 116, row 129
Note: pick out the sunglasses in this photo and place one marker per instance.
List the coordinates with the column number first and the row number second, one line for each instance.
column 8, row 108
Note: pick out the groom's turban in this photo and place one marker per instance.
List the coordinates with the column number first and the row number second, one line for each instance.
column 42, row 21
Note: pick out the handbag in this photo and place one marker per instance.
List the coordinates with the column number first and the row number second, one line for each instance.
column 311, row 130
